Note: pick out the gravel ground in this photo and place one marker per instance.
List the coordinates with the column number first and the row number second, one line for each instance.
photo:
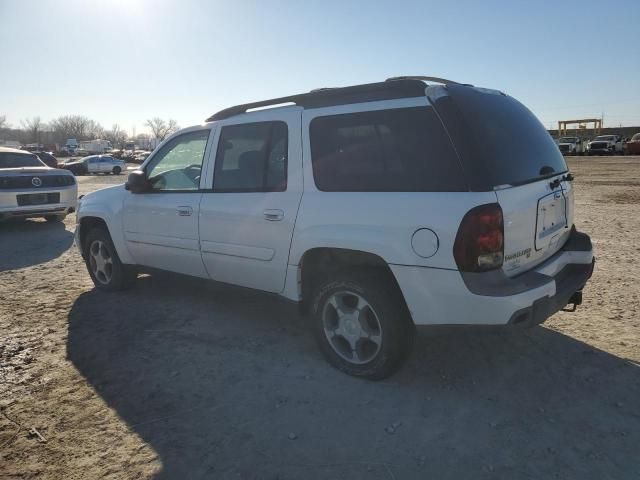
column 180, row 378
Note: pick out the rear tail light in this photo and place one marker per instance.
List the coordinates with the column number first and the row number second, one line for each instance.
column 479, row 244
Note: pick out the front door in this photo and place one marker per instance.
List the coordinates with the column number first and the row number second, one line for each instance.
column 161, row 226
column 93, row 165
column 247, row 219
column 104, row 164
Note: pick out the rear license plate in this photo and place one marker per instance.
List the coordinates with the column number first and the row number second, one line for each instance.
column 37, row 199
column 552, row 216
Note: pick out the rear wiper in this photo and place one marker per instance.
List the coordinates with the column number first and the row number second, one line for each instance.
column 546, row 170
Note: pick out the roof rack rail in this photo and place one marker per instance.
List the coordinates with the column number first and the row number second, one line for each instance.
column 323, row 97
column 422, row 78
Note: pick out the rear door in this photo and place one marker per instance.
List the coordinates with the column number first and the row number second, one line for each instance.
column 247, row 216
column 504, row 148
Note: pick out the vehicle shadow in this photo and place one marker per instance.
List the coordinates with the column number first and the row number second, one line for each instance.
column 226, row 383
column 30, row 242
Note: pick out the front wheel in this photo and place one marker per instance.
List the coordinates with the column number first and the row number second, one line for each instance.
column 117, row 170
column 104, row 265
column 362, row 325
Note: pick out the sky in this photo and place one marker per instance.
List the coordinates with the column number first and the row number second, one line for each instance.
column 124, row 61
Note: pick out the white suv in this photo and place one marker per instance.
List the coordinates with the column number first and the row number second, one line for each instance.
column 378, row 207
column 29, row 188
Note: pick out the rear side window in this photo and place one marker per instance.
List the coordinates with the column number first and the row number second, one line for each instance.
column 396, row 150
column 252, row 157
column 499, row 140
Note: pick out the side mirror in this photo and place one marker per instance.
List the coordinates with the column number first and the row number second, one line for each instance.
column 137, row 182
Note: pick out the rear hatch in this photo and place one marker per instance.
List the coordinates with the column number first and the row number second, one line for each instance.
column 503, row 147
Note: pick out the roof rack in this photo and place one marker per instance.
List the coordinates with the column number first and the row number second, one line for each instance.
column 324, row 97
column 422, row 79
column 392, row 88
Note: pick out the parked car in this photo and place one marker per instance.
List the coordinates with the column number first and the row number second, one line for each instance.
column 48, row 159
column 95, row 164
column 632, row 147
column 140, row 157
column 29, row 188
column 571, row 145
column 370, row 205
column 605, row 145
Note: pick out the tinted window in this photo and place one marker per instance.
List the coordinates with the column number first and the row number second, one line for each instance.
column 18, row 160
column 399, row 150
column 178, row 165
column 499, row 140
column 252, row 158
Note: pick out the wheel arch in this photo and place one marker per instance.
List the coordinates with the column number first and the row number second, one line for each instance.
column 318, row 263
column 94, row 219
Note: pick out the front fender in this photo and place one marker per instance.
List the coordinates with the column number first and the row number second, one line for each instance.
column 107, row 205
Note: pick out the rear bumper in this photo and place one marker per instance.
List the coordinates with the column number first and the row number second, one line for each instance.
column 569, row 281
column 9, row 207
column 444, row 297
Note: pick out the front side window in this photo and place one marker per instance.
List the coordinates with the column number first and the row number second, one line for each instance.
column 395, row 150
column 252, row 157
column 178, row 165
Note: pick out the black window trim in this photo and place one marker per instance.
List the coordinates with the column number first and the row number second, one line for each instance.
column 204, row 159
column 272, row 123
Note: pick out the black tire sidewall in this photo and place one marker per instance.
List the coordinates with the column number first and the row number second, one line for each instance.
column 391, row 312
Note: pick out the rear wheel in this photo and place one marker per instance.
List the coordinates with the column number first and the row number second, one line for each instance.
column 361, row 325
column 117, row 170
column 104, row 265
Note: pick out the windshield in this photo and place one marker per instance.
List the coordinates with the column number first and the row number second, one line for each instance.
column 19, row 160
column 500, row 142
column 568, row 140
column 604, row 137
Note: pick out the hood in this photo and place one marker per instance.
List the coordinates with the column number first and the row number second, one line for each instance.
column 103, row 194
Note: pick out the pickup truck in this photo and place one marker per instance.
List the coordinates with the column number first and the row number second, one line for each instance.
column 606, row 145
column 571, row 145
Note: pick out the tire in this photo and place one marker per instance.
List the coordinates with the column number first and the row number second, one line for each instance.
column 377, row 322
column 55, row 218
column 108, row 273
column 117, row 170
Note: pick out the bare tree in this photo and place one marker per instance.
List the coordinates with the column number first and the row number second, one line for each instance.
column 116, row 135
column 3, row 122
column 33, row 129
column 75, row 126
column 160, row 128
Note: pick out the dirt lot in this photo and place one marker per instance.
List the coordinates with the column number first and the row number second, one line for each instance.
column 184, row 379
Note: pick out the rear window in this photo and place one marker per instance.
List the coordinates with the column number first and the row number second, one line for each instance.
column 396, row 150
column 19, row 160
column 499, row 140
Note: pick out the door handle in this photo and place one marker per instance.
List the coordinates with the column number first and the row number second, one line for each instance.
column 273, row 215
column 185, row 211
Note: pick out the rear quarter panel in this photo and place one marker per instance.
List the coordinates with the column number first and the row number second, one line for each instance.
column 382, row 223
